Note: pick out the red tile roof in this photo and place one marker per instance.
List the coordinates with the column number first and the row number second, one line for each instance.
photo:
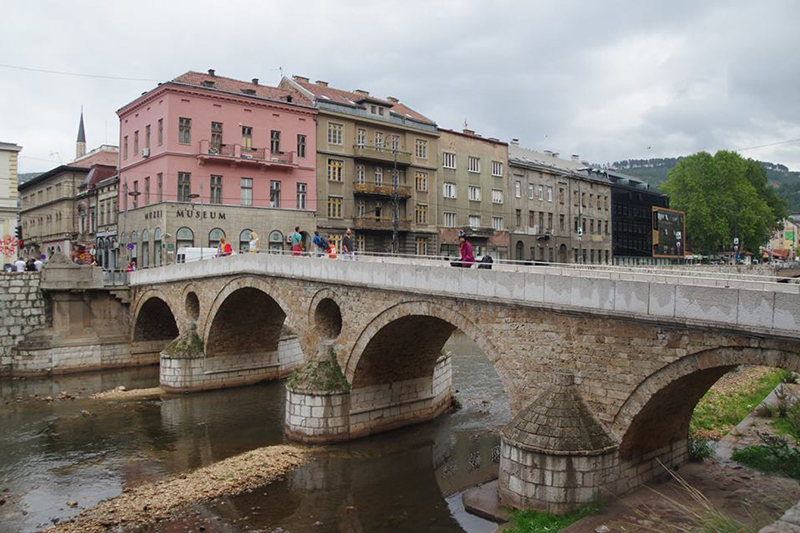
column 352, row 99
column 222, row 83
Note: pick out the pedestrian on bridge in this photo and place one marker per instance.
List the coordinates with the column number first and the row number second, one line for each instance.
column 467, row 258
column 296, row 240
column 347, row 246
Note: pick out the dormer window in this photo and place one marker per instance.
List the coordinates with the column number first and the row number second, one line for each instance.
column 208, row 83
column 376, row 109
column 249, row 91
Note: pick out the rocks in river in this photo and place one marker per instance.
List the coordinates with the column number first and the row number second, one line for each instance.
column 72, row 504
column 86, row 414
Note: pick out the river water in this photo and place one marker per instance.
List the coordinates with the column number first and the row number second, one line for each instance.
column 82, row 450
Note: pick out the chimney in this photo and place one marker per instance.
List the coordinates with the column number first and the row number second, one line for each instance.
column 468, row 132
column 576, row 157
column 300, row 78
column 212, row 72
column 323, row 83
column 555, row 154
column 515, row 142
column 393, row 100
column 255, row 81
column 362, row 91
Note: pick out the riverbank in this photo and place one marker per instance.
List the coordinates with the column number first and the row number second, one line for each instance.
column 121, row 393
column 156, row 501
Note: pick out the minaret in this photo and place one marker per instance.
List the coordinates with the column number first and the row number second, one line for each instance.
column 80, row 145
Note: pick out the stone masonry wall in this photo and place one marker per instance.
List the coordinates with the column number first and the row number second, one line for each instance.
column 317, row 417
column 75, row 357
column 22, row 310
column 185, row 374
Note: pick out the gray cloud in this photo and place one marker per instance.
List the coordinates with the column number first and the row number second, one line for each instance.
column 606, row 80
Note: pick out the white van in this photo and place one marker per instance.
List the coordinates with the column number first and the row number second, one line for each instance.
column 188, row 255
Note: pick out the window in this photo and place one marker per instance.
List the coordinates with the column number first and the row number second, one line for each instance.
column 421, row 212
column 184, row 130
column 561, row 196
column 421, row 246
column 395, row 142
column 378, row 176
column 421, row 149
column 135, row 194
column 519, row 217
column 575, row 198
column 449, row 190
column 541, row 222
column 184, row 186
column 244, row 241
column 606, row 234
column 247, row 191
column 591, row 226
column 562, row 223
column 147, row 137
column 361, row 174
column 550, row 222
column 361, row 208
column 184, row 238
column 216, row 136
column 275, row 141
column 334, row 207
column 518, row 189
column 448, row 160
column 335, row 133
column 247, row 137
column 497, row 169
column 214, row 236
column 421, row 180
column 530, row 191
column 135, row 242
column 606, row 261
column 216, row 190
column 378, row 139
column 302, row 191
column 301, row 146
column 473, row 164
column 599, row 202
column 497, row 223
column 275, row 241
column 361, row 137
column 160, row 131
column 160, row 186
column 583, row 199
column 157, row 247
column 549, row 194
column 591, row 256
column 136, row 142
column 361, row 243
column 274, row 193
column 497, row 196
column 450, row 220
column 541, row 192
column 335, row 167
column 474, row 193
column 147, row 190
column 474, row 221
column 531, row 219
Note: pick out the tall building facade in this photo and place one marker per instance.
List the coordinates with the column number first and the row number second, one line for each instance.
column 376, row 169
column 560, row 212
column 206, row 157
column 9, row 248
column 473, row 193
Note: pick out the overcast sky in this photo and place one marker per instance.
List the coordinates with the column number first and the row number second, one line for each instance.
column 607, row 80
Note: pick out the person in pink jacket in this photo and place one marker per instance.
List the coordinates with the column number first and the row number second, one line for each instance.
column 467, row 258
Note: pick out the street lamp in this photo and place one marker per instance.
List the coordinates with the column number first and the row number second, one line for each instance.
column 192, row 196
column 134, row 194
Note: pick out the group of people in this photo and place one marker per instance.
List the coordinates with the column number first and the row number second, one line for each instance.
column 31, row 265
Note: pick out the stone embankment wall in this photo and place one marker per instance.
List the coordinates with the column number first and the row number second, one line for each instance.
column 324, row 416
column 22, row 310
column 186, row 373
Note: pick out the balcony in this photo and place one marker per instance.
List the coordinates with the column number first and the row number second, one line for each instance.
column 380, row 223
column 237, row 154
column 382, row 189
column 381, row 154
column 477, row 231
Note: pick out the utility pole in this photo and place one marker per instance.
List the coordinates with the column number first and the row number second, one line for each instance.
column 395, row 202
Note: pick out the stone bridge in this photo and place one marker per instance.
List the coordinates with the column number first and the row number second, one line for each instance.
column 602, row 368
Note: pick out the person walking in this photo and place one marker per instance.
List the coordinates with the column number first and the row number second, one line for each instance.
column 38, row 263
column 347, row 246
column 255, row 243
column 296, row 240
column 320, row 244
column 224, row 249
column 19, row 265
column 467, row 258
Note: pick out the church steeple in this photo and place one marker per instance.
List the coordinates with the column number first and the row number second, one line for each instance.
column 80, row 145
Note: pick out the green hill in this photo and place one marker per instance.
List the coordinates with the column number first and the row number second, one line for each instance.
column 654, row 171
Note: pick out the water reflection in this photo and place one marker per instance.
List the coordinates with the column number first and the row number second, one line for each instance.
column 51, row 453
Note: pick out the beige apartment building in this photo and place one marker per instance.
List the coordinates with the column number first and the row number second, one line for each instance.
column 9, row 155
column 472, row 193
column 560, row 212
column 370, row 151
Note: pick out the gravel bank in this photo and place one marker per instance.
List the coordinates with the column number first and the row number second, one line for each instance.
column 121, row 393
column 156, row 501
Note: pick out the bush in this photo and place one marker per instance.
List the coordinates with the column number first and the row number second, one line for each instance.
column 775, row 455
column 790, row 422
column 699, row 449
column 537, row 522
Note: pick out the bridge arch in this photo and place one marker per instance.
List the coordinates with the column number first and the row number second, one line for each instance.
column 657, row 414
column 325, row 313
column 154, row 326
column 246, row 317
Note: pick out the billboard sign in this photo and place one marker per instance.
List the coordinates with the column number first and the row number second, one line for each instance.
column 669, row 232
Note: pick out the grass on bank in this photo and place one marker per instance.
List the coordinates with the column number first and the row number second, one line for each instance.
column 537, row 522
column 720, row 410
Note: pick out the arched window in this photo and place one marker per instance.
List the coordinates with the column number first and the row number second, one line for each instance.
column 157, row 247
column 520, row 251
column 214, row 236
column 244, row 241
column 276, row 241
column 145, row 249
column 184, row 238
column 134, row 242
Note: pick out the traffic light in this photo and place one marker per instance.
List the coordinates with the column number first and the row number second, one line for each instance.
column 19, row 233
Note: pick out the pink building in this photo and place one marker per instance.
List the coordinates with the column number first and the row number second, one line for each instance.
column 203, row 156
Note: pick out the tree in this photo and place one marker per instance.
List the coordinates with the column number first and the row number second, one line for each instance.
column 724, row 196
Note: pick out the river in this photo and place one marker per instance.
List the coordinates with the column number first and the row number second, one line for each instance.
column 82, row 450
